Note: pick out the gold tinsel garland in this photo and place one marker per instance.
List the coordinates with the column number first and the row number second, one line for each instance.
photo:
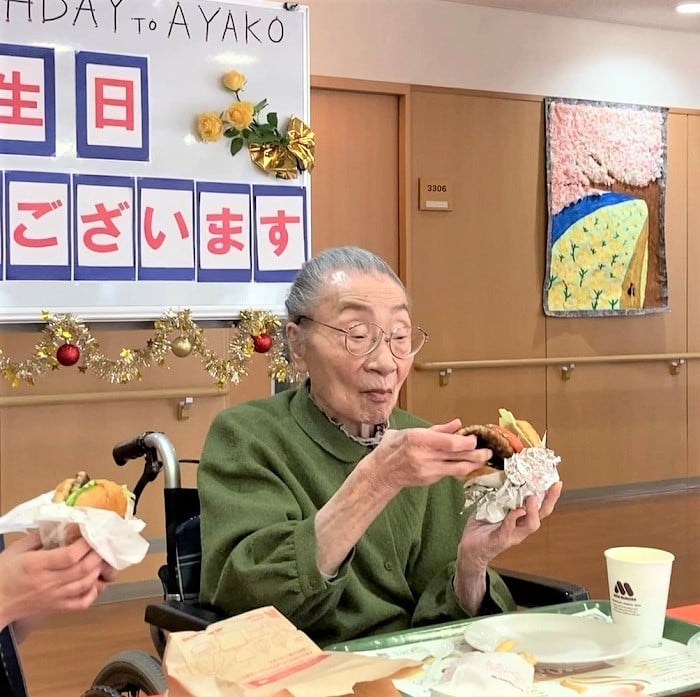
column 176, row 332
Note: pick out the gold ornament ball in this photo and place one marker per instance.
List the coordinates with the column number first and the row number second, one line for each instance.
column 182, row 346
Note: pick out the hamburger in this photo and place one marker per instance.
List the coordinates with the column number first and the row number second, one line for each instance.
column 504, row 439
column 82, row 491
column 520, row 466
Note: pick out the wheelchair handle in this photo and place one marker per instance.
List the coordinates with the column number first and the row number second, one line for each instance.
column 144, row 444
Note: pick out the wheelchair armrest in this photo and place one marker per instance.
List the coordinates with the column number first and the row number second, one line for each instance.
column 176, row 616
column 530, row 590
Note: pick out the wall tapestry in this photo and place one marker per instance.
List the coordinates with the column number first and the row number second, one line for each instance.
column 606, row 167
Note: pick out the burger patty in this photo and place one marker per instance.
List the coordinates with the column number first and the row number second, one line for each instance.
column 490, row 438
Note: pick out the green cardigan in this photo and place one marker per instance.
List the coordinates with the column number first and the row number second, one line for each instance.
column 266, row 468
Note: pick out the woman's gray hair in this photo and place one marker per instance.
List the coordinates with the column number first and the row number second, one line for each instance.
column 310, row 283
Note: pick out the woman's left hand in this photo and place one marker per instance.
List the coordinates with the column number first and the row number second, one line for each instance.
column 483, row 541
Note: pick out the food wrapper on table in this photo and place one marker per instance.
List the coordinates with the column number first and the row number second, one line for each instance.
column 529, row 472
column 117, row 540
column 262, row 654
column 487, row 675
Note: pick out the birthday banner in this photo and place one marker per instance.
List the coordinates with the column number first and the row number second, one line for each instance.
column 153, row 155
column 606, row 183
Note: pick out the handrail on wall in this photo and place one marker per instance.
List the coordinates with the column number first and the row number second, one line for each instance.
column 185, row 395
column 567, row 364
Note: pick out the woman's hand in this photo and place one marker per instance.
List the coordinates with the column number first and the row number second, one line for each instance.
column 36, row 581
column 412, row 457
column 483, row 541
column 422, row 456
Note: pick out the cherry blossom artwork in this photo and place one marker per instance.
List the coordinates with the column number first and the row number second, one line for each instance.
column 606, row 166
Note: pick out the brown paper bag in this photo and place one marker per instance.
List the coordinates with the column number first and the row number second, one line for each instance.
column 262, row 654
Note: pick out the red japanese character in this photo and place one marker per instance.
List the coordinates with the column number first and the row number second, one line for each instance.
column 103, row 103
column 155, row 241
column 38, row 210
column 16, row 103
column 222, row 235
column 278, row 235
column 106, row 217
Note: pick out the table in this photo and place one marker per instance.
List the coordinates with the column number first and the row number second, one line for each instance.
column 683, row 677
column 689, row 613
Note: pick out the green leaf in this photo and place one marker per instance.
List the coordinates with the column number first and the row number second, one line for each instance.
column 236, row 145
column 245, row 133
column 260, row 106
column 265, row 137
column 272, row 119
column 230, row 132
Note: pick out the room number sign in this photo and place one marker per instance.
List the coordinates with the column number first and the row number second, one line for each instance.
column 435, row 194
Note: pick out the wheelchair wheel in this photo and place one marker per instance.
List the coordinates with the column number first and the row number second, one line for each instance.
column 131, row 674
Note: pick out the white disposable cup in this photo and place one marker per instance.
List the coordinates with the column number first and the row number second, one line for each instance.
column 638, row 582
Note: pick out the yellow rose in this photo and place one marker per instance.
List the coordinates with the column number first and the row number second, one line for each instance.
column 233, row 80
column 209, row 126
column 239, row 115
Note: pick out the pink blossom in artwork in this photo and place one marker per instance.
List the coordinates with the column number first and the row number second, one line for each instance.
column 591, row 147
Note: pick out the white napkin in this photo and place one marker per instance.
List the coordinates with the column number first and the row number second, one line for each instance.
column 492, row 674
column 115, row 539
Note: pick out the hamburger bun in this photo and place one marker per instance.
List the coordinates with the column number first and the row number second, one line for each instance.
column 523, row 429
column 93, row 493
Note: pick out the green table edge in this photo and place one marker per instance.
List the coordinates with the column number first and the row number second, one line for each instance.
column 674, row 629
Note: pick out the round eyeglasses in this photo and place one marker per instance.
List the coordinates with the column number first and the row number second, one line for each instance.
column 364, row 337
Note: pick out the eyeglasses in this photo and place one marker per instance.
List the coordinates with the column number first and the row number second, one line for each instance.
column 364, row 337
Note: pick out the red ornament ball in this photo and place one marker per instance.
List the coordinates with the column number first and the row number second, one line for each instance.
column 262, row 343
column 68, row 354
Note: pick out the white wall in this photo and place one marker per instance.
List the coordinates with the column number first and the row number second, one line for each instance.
column 438, row 42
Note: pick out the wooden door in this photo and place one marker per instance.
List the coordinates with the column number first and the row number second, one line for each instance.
column 355, row 184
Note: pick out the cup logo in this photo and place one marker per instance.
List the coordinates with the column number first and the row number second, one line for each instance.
column 623, row 590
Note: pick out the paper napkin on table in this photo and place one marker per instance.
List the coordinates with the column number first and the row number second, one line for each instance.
column 485, row 675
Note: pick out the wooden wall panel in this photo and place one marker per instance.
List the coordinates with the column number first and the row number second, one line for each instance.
column 477, row 270
column 616, row 424
column 693, row 301
column 476, row 395
column 571, row 542
column 355, row 183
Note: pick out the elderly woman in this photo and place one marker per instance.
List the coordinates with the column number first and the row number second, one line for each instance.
column 332, row 504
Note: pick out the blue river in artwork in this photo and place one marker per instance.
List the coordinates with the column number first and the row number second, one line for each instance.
column 566, row 217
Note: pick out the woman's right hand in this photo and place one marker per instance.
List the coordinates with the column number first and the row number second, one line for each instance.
column 36, row 581
column 422, row 456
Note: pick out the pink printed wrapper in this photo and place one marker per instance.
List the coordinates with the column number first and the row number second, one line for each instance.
column 530, row 472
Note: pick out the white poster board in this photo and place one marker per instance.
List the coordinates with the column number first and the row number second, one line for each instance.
column 111, row 206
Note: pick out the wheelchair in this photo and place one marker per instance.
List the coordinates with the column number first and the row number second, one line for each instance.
column 135, row 673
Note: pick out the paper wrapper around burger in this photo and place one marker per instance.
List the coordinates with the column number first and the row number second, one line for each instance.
column 527, row 473
column 117, row 540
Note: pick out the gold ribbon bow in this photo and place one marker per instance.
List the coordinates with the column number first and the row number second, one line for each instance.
column 286, row 161
column 274, row 159
column 302, row 143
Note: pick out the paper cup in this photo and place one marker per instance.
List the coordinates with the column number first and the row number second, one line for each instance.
column 638, row 581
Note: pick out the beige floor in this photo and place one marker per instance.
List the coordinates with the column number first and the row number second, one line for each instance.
column 62, row 657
